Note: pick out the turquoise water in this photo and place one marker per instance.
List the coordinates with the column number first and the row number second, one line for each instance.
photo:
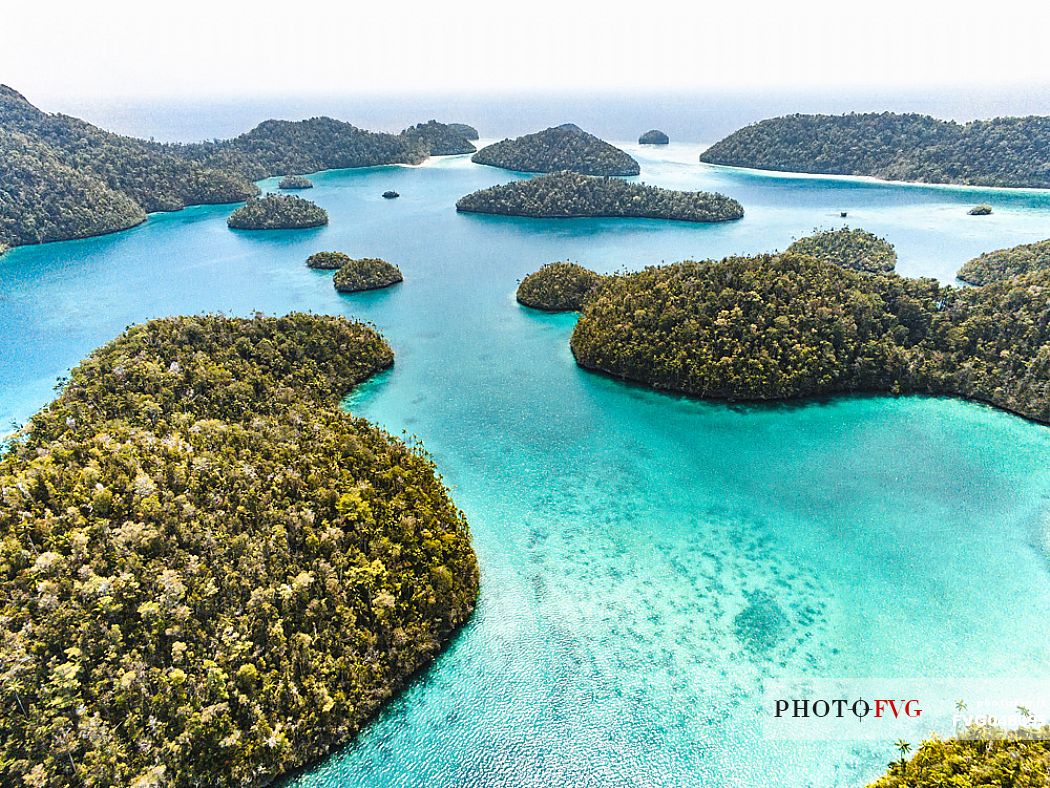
column 622, row 533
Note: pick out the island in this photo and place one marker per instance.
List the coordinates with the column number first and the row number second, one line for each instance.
column 558, row 287
column 277, row 212
column 367, row 273
column 293, row 182
column 327, row 261
column 65, row 178
column 566, row 147
column 1005, row 263
column 980, row 210
column 439, row 139
column 857, row 249
column 899, row 147
column 390, row 195
column 784, row 326
column 465, row 131
column 978, row 756
column 654, row 137
column 213, row 575
column 566, row 195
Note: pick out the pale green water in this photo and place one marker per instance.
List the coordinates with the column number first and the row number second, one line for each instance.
column 620, row 532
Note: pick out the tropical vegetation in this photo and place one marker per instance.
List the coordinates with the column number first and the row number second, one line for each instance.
column 558, row 287
column 277, row 212
column 908, row 147
column 789, row 325
column 979, row 757
column 566, row 147
column 465, row 131
column 295, row 182
column 568, row 195
column 850, row 248
column 327, row 261
column 366, row 273
column 64, row 178
column 439, row 139
column 1004, row 263
column 209, row 573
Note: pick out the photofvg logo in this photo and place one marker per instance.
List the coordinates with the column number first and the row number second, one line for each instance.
column 904, row 708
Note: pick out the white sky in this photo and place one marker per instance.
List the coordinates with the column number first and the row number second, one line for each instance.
column 222, row 48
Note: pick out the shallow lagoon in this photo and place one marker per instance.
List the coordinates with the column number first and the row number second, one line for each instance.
column 621, row 532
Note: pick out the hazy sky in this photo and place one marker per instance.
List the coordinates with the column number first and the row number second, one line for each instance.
column 223, row 48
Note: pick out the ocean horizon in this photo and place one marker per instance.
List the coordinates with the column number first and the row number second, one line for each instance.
column 698, row 117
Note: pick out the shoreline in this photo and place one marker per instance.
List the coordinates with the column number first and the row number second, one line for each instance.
column 875, row 180
column 807, row 399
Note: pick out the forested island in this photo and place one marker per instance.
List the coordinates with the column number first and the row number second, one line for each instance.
column 851, row 248
column 566, row 147
column 65, row 178
column 465, row 131
column 327, row 261
column 1005, row 263
column 277, row 212
column 211, row 574
column 294, row 182
column 366, row 273
column 558, row 287
column 980, row 757
column 909, row 147
column 440, row 139
column 783, row 326
column 567, row 195
column 654, row 137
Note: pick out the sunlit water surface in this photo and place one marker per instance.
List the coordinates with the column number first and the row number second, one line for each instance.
column 621, row 532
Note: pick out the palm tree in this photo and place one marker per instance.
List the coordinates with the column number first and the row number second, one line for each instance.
column 904, row 748
column 960, row 705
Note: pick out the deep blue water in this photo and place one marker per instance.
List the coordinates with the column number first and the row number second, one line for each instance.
column 619, row 531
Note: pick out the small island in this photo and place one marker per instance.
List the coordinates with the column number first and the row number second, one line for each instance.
column 980, row 210
column 654, row 137
column 390, row 195
column 566, row 195
column 327, row 261
column 566, row 147
column 216, row 527
column 277, row 212
column 295, row 182
column 465, row 131
column 367, row 273
column 439, row 139
column 1005, row 263
column 784, row 326
column 856, row 249
column 558, row 287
